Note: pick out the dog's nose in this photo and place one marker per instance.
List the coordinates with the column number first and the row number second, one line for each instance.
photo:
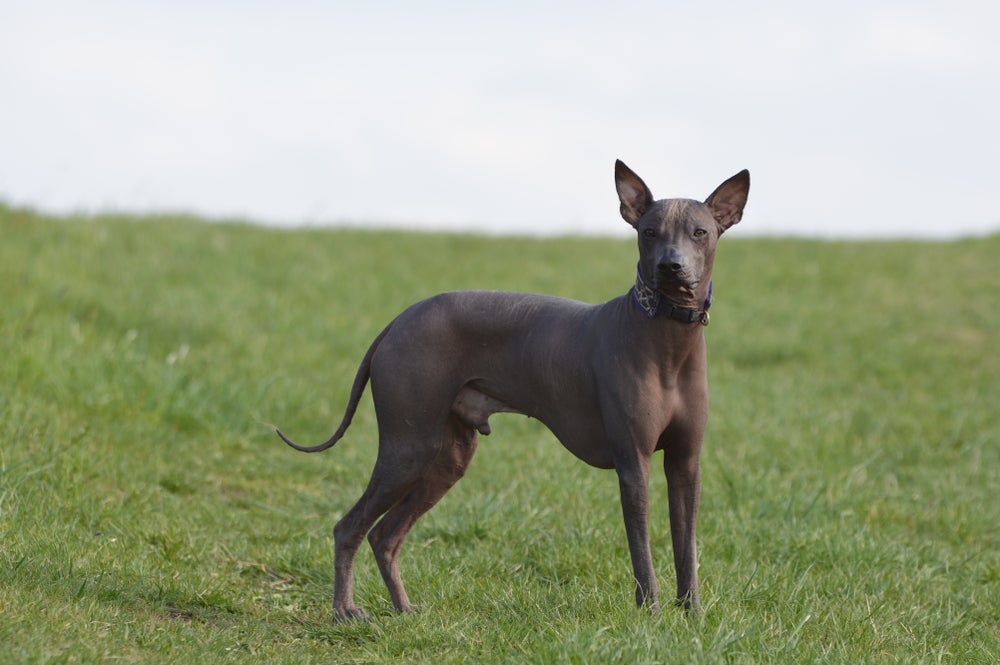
column 671, row 261
column 673, row 266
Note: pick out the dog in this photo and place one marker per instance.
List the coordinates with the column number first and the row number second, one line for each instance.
column 614, row 382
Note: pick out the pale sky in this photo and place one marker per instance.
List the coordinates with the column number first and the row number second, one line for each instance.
column 856, row 119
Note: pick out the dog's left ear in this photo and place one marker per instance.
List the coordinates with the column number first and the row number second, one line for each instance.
column 728, row 200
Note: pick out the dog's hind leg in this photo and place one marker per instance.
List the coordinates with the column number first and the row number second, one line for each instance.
column 348, row 534
column 398, row 469
column 459, row 445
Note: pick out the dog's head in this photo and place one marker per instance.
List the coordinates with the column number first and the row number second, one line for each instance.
column 677, row 237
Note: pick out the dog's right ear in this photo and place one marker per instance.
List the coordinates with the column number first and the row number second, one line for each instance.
column 632, row 192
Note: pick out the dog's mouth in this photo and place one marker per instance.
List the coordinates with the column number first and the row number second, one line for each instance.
column 676, row 281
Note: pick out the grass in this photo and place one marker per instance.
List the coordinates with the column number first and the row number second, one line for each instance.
column 148, row 514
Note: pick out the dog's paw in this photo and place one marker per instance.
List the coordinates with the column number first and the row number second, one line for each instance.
column 691, row 606
column 349, row 614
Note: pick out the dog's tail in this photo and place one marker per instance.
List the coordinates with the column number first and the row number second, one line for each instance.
column 357, row 390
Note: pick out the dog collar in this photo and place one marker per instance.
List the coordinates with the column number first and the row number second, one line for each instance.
column 651, row 302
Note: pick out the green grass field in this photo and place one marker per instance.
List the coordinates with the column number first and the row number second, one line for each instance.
column 148, row 514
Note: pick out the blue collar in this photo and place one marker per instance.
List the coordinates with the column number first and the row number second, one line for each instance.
column 650, row 301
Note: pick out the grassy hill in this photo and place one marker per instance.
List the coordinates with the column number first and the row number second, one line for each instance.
column 148, row 514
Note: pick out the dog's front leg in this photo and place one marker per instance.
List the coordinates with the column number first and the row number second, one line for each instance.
column 684, row 489
column 633, row 479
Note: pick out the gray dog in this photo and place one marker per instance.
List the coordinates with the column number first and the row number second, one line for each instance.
column 614, row 382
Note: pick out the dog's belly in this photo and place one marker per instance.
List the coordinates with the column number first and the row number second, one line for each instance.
column 584, row 439
column 588, row 446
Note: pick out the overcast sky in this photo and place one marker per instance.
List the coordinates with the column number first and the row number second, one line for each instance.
column 866, row 118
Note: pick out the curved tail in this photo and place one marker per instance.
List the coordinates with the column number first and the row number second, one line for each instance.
column 357, row 390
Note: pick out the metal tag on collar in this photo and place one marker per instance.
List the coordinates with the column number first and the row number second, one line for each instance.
column 705, row 318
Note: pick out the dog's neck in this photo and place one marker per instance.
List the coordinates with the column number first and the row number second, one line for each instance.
column 651, row 302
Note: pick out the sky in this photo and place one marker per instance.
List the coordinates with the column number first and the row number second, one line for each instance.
column 856, row 119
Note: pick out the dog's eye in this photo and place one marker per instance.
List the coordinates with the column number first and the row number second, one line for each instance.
column 649, row 233
column 700, row 233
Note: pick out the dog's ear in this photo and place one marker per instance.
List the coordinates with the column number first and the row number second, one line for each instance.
column 632, row 192
column 728, row 200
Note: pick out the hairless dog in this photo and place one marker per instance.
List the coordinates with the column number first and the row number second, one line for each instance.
column 614, row 382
